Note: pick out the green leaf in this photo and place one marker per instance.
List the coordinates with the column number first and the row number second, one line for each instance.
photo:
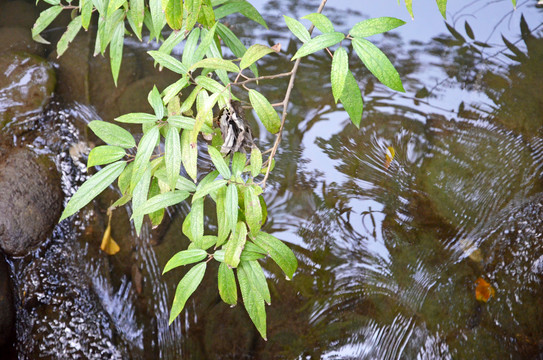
column 244, row 8
column 513, row 1
column 137, row 118
column 256, row 161
column 145, row 149
column 181, row 122
column 156, row 103
column 205, row 111
column 157, row 16
column 298, row 29
column 279, row 252
column 232, row 206
column 116, row 50
column 135, row 16
column 469, row 30
column 219, row 255
column 184, row 257
column 409, row 6
column 193, row 10
column 92, row 188
column 208, row 188
column 318, row 43
column 174, row 14
column 86, row 13
column 190, row 47
column 112, row 134
column 205, row 243
column 106, row 32
column 234, row 246
column 222, row 223
column 253, row 302
column 140, row 193
column 189, row 154
column 124, row 179
column 234, row 44
column 188, row 284
column 227, row 285
column 157, row 216
column 340, row 68
column 238, row 164
column 160, row 201
column 378, row 64
column 375, row 26
column 256, row 278
column 253, row 211
column 73, row 28
column 265, row 112
column 214, row 63
column 205, row 43
column 172, row 41
column 114, row 5
column 219, row 162
column 46, row 17
column 253, row 54
column 321, row 22
column 168, row 61
column 172, row 90
column 211, row 85
column 442, row 5
column 172, row 156
column 351, row 98
column 197, row 219
column 105, row 154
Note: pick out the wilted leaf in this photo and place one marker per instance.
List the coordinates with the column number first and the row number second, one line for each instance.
column 483, row 290
column 109, row 246
column 389, row 156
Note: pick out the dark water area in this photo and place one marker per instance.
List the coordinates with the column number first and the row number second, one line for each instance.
column 389, row 252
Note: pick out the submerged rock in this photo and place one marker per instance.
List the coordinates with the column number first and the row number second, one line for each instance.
column 19, row 39
column 26, row 85
column 30, row 200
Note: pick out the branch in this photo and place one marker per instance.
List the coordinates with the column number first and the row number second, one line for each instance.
column 285, row 106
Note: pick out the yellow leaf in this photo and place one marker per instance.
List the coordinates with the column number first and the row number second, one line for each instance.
column 389, row 156
column 108, row 244
column 483, row 290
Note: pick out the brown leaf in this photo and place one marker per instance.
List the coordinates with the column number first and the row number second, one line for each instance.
column 109, row 246
column 483, row 290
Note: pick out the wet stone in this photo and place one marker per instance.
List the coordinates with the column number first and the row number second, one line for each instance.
column 18, row 13
column 26, row 85
column 19, row 39
column 30, row 200
column 7, row 310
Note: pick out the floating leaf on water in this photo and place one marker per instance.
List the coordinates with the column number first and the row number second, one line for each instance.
column 109, row 246
column 389, row 156
column 483, row 290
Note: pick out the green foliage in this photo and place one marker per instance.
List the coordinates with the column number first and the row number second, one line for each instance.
column 151, row 178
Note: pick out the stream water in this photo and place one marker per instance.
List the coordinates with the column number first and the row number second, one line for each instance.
column 389, row 253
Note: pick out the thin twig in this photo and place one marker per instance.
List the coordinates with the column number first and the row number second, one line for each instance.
column 248, row 79
column 285, row 107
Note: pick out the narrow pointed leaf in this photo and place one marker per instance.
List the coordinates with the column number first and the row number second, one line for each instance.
column 73, row 28
column 351, row 98
column 140, row 194
column 265, row 112
column 253, row 302
column 234, row 246
column 172, row 156
column 209, row 188
column 222, row 223
column 244, row 8
column 238, row 164
column 378, row 64
column 145, row 149
column 86, row 13
column 318, row 43
column 189, row 154
column 340, row 68
column 256, row 278
column 321, row 22
column 256, row 161
column 227, row 285
column 112, row 134
column 157, row 16
column 174, row 14
column 190, row 47
column 279, row 252
column 169, row 62
column 46, row 17
column 442, row 5
column 232, row 206
column 105, row 154
column 253, row 54
column 135, row 16
column 219, row 162
column 160, row 201
column 172, row 90
column 193, row 10
column 186, row 287
column 197, row 219
column 92, row 188
column 205, row 43
column 253, row 211
column 181, row 122
column 297, row 28
column 215, row 63
column 409, row 6
column 234, row 44
column 375, row 26
column 184, row 257
column 137, row 118
column 116, row 50
column 156, row 103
